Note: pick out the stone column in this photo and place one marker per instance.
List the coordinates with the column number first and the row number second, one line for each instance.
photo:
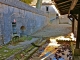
column 78, row 33
column 38, row 4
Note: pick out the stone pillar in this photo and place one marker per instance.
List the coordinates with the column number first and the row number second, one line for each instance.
column 38, row 4
column 75, row 27
column 78, row 33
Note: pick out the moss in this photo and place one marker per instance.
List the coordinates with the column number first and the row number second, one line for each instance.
column 24, row 52
column 15, row 41
column 31, row 53
column 29, row 38
column 28, row 52
column 29, row 49
column 23, row 38
column 9, row 52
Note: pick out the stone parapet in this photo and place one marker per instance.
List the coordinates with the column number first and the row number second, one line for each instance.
column 31, row 19
column 22, row 6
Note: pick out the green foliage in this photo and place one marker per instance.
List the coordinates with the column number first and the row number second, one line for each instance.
column 27, row 1
column 29, row 38
column 23, row 38
column 16, row 40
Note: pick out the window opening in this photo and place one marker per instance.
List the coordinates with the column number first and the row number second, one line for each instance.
column 47, row 8
column 14, row 27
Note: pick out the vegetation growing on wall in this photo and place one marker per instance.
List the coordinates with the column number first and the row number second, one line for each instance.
column 27, row 1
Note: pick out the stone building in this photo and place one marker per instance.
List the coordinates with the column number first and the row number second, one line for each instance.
column 49, row 7
column 17, row 18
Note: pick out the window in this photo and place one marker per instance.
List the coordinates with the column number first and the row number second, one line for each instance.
column 14, row 27
column 47, row 8
column 57, row 16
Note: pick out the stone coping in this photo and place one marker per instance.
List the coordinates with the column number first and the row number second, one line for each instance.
column 22, row 6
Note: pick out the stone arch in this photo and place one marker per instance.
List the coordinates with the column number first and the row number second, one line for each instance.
column 22, row 28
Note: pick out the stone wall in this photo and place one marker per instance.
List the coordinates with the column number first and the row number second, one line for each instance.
column 25, row 16
column 51, row 11
column 64, row 20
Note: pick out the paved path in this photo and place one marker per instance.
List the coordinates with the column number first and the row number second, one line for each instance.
column 23, row 44
column 54, row 29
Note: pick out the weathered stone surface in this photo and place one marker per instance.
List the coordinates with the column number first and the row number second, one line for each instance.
column 30, row 18
column 20, row 5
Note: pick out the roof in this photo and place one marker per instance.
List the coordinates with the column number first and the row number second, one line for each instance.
column 65, row 6
column 47, row 3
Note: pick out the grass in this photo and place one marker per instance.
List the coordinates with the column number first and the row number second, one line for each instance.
column 6, row 52
column 27, row 53
column 18, row 56
column 29, row 38
column 15, row 41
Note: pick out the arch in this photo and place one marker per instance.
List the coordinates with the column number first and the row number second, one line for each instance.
column 22, row 28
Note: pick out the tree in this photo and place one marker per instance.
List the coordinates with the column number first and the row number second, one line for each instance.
column 27, row 1
column 39, row 3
